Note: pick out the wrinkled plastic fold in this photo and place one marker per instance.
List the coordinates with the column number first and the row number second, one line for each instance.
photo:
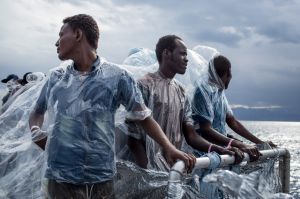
column 84, row 123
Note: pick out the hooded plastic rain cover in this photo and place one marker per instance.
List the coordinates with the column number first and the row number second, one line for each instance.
column 23, row 165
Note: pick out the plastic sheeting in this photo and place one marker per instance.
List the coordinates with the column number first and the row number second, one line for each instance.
column 261, row 183
column 32, row 79
column 209, row 102
column 24, row 165
column 170, row 108
column 80, row 143
column 21, row 161
column 17, row 149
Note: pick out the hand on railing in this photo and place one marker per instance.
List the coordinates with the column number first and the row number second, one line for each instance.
column 238, row 155
column 252, row 151
column 174, row 154
column 271, row 144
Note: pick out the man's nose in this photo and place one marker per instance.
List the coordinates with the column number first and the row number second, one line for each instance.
column 186, row 60
column 56, row 44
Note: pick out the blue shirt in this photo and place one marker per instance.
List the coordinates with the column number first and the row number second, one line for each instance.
column 80, row 147
column 210, row 104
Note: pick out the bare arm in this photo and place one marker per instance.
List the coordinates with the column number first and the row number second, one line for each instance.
column 209, row 133
column 170, row 152
column 37, row 119
column 237, row 127
column 212, row 135
column 198, row 142
column 138, row 150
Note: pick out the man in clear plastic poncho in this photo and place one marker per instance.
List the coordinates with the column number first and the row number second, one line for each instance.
column 12, row 85
column 84, row 98
column 211, row 111
column 29, row 80
column 169, row 103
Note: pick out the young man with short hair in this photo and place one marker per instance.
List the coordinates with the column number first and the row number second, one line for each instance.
column 84, row 97
column 169, row 103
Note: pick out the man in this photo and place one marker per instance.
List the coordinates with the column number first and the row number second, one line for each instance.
column 29, row 79
column 12, row 85
column 85, row 96
column 170, row 107
column 211, row 111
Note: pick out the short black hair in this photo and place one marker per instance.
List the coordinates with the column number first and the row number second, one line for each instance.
column 9, row 77
column 87, row 24
column 221, row 64
column 165, row 42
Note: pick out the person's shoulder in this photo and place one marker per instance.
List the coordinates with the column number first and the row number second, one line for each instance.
column 149, row 77
column 58, row 72
column 201, row 89
column 205, row 86
column 180, row 86
column 148, row 80
column 114, row 69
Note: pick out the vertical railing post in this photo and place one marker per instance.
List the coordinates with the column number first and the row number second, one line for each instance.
column 284, row 171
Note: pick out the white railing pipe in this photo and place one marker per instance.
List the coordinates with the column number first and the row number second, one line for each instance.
column 204, row 162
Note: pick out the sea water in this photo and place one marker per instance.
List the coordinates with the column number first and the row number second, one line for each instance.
column 285, row 135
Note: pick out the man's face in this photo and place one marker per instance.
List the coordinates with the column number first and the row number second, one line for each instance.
column 227, row 78
column 11, row 85
column 66, row 44
column 178, row 61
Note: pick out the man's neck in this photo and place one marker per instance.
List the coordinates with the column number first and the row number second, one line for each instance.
column 84, row 61
column 165, row 72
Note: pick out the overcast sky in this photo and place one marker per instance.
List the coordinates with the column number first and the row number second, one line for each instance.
column 260, row 37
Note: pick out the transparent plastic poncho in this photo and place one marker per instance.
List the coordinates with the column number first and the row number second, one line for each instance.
column 21, row 161
column 170, row 108
column 169, row 101
column 24, row 165
column 19, row 155
column 80, row 145
column 209, row 102
column 32, row 79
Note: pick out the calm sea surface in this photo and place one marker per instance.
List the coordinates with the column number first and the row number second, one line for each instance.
column 285, row 135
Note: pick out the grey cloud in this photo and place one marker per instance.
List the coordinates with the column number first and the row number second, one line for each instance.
column 227, row 35
column 284, row 3
column 42, row 29
column 214, row 36
column 73, row 2
column 110, row 19
column 267, row 74
column 191, row 17
column 281, row 32
column 267, row 87
column 157, row 3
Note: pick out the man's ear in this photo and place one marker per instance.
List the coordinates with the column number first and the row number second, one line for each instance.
column 166, row 52
column 78, row 34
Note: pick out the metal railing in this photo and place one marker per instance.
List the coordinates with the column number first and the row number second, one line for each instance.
column 177, row 170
